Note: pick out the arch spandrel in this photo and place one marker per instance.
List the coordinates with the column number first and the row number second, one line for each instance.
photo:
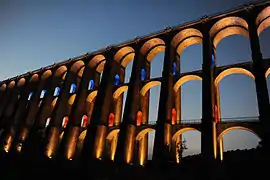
column 230, row 71
column 46, row 75
column 124, row 55
column 185, row 79
column 147, row 86
column 263, row 20
column 186, row 38
column 228, row 26
column 152, row 47
column 119, row 91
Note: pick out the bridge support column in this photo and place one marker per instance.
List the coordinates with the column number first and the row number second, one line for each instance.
column 163, row 136
column 60, row 111
column 126, row 138
column 208, row 139
column 69, row 141
column 119, row 101
column 97, row 129
column 259, row 69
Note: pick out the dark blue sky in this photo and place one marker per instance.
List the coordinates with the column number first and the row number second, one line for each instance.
column 38, row 33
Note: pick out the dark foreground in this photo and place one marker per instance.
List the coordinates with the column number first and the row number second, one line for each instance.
column 244, row 164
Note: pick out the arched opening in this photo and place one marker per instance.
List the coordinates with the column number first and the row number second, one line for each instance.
column 139, row 118
column 240, row 51
column 139, row 146
column 143, row 74
column 173, row 116
column 30, row 96
column 47, row 122
column 116, row 80
column 191, row 101
column 121, row 91
column 91, row 85
column 190, row 57
column 125, row 57
column 84, row 121
column 56, row 91
column 79, row 144
column 72, row 88
column 153, row 50
column 236, row 138
column 111, row 119
column 190, row 104
column 111, row 143
column 42, row 94
column 64, row 122
column 237, row 94
column 186, row 142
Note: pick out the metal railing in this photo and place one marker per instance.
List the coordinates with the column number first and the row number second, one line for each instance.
column 227, row 119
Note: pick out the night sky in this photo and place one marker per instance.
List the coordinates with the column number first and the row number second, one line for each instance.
column 35, row 33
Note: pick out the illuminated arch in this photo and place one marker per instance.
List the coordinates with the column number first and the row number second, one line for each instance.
column 46, row 75
column 80, row 73
column 186, row 38
column 152, row 47
column 267, row 72
column 230, row 71
column 124, row 55
column 96, row 60
column 65, row 122
column 181, row 131
column 113, row 134
column 228, row 26
column 84, row 121
column 34, row 78
column 143, row 132
column 263, row 20
column 60, row 72
column 76, row 67
column 91, row 96
column 149, row 85
column 79, row 144
column 3, row 87
column 56, row 91
column 54, row 103
column 139, row 118
column 42, row 94
column 235, row 128
column 111, row 119
column 116, row 79
column 72, row 88
column 61, row 136
column 91, row 85
column 71, row 99
column 119, row 91
column 11, row 84
column 100, row 67
column 185, row 79
column 21, row 82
